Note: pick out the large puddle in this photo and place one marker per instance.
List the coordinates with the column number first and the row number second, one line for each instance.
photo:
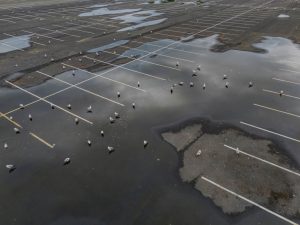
column 137, row 185
column 106, row 11
column 14, row 43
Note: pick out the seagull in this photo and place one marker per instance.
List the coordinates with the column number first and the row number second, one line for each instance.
column 250, row 84
column 67, row 161
column 226, row 84
column 30, row 117
column 138, row 84
column 194, row 73
column 198, row 152
column 89, row 109
column 177, row 64
column 281, row 93
column 237, row 150
column 21, row 106
column 102, row 133
column 17, row 131
column 10, row 167
column 111, row 119
column 171, row 90
column 145, row 143
column 5, row 145
column 89, row 142
column 76, row 120
column 199, row 67
column 191, row 84
column 117, row 115
column 133, row 105
column 110, row 149
column 69, row 106
column 118, row 94
column 203, row 86
column 224, row 77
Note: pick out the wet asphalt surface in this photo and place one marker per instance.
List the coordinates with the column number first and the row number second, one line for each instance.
column 137, row 185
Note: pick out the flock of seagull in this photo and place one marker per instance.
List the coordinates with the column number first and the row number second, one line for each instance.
column 111, row 149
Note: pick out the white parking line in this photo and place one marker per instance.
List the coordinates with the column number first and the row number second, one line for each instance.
column 42, row 35
column 286, row 81
column 136, row 71
column 99, row 75
column 248, row 200
column 89, row 26
column 167, row 56
column 175, row 49
column 50, row 103
column 11, row 46
column 71, row 28
column 10, row 120
column 277, row 93
column 271, row 132
column 23, row 39
column 262, row 160
column 75, row 86
column 276, row 110
column 58, row 31
column 42, row 140
column 138, row 59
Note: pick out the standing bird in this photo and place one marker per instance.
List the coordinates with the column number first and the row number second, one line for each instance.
column 30, row 117
column 5, row 145
column 111, row 120
column 138, row 84
column 281, row 93
column 89, row 142
column 171, row 90
column 52, row 106
column 204, row 86
column 145, row 143
column 10, row 167
column 117, row 115
column 76, row 120
column 226, row 84
column 191, row 84
column 177, row 64
column 118, row 94
column 73, row 72
column 17, row 131
column 133, row 105
column 250, row 84
column 199, row 67
column 194, row 73
column 224, row 77
column 69, row 106
column 67, row 161
column 110, row 149
column 89, row 109
column 102, row 133
column 21, row 106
